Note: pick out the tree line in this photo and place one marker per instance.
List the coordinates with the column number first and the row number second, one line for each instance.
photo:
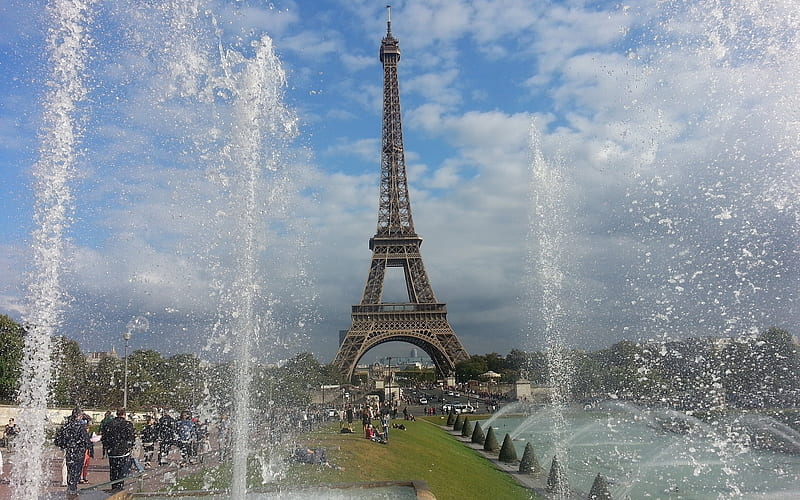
column 174, row 382
column 754, row 372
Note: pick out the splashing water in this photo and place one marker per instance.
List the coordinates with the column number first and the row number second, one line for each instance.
column 548, row 222
column 68, row 42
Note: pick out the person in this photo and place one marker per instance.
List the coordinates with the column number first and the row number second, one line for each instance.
column 203, row 442
column 89, row 451
column 73, row 438
column 224, row 438
column 166, row 436
column 10, row 432
column 186, row 433
column 385, row 425
column 149, row 437
column 107, row 418
column 365, row 418
column 349, row 415
column 118, row 440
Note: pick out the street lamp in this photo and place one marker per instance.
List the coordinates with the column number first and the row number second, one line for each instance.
column 137, row 323
column 391, row 396
column 126, row 336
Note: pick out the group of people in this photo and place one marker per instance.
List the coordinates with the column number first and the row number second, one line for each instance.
column 379, row 432
column 117, row 435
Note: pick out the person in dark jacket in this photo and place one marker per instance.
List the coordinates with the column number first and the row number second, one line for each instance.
column 107, row 418
column 149, row 438
column 74, row 440
column 166, row 436
column 186, row 432
column 118, row 440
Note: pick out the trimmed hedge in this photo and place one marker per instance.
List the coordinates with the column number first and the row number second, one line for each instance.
column 458, row 423
column 478, row 437
column 466, row 429
column 557, row 479
column 529, row 464
column 508, row 453
column 490, row 444
column 599, row 489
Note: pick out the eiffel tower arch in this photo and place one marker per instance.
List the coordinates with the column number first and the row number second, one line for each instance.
column 422, row 320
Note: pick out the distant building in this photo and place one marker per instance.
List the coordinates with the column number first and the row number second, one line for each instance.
column 94, row 358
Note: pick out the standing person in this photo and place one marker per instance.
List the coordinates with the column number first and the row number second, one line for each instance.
column 149, row 437
column 89, row 451
column 107, row 418
column 224, row 438
column 203, row 444
column 349, row 415
column 166, row 436
column 186, row 432
column 10, row 433
column 385, row 425
column 118, row 440
column 74, row 440
column 365, row 418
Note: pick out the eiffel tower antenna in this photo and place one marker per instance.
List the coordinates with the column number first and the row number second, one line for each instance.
column 422, row 320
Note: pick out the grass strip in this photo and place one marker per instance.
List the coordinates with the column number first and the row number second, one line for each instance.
column 424, row 451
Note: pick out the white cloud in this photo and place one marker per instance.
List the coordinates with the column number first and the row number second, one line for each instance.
column 646, row 123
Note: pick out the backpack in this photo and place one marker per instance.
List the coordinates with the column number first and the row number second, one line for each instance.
column 185, row 430
column 61, row 437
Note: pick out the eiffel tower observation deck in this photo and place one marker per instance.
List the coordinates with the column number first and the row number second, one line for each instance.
column 422, row 320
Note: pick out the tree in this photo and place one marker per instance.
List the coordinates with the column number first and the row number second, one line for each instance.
column 11, row 344
column 182, row 381
column 469, row 369
column 778, row 364
column 104, row 386
column 146, row 379
column 70, row 373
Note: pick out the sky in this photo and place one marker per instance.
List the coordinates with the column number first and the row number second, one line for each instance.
column 584, row 171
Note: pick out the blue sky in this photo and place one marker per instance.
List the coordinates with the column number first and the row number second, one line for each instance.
column 672, row 127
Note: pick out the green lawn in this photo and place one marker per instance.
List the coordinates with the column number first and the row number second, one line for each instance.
column 423, row 451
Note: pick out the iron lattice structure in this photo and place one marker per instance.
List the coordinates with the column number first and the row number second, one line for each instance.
column 422, row 321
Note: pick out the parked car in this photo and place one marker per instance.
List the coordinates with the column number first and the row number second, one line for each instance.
column 423, row 401
column 463, row 408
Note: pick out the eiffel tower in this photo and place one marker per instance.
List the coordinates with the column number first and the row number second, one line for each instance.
column 422, row 321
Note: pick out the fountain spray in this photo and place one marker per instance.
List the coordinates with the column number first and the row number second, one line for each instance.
column 68, row 44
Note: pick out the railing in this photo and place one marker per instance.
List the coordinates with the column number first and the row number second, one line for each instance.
column 380, row 308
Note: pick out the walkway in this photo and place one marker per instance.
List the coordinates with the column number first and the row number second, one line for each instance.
column 97, row 488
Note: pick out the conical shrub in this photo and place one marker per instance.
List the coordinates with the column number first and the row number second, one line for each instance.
column 490, row 444
column 557, row 479
column 466, row 429
column 507, row 452
column 599, row 489
column 451, row 418
column 478, row 437
column 458, row 423
column 529, row 464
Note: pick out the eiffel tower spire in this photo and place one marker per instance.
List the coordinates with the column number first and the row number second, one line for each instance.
column 422, row 320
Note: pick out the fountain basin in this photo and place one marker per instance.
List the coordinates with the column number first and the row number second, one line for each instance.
column 655, row 453
column 382, row 490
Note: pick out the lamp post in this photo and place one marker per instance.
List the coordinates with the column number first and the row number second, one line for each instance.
column 391, row 396
column 137, row 323
column 126, row 336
